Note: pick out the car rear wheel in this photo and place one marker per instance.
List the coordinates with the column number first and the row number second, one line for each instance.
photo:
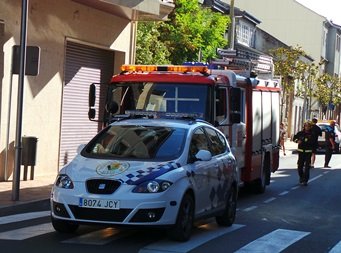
column 64, row 226
column 182, row 229
column 229, row 215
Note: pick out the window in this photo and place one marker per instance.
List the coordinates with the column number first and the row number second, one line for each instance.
column 221, row 104
column 244, row 34
column 138, row 142
column 218, row 144
column 337, row 43
column 162, row 97
column 198, row 142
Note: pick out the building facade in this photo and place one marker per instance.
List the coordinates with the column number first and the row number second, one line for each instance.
column 296, row 25
column 81, row 42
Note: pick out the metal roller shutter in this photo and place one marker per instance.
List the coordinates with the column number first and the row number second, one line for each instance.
column 84, row 65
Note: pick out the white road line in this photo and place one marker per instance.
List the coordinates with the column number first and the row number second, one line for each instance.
column 283, row 193
column 27, row 232
column 273, row 242
column 100, row 237
column 336, row 248
column 269, row 200
column 200, row 236
column 23, row 216
column 250, row 208
column 295, row 187
column 314, row 178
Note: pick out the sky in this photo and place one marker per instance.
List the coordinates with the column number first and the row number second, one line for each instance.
column 331, row 9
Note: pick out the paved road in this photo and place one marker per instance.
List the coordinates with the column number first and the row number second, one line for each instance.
column 287, row 218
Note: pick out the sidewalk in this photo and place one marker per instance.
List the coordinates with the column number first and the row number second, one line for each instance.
column 290, row 148
column 29, row 191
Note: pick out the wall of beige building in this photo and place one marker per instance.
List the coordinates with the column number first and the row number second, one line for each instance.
column 290, row 22
column 50, row 24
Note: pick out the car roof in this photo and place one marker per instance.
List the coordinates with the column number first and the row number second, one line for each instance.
column 326, row 122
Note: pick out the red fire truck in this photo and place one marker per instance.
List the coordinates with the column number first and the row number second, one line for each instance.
column 244, row 108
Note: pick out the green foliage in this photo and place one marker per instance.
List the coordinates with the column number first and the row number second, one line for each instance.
column 191, row 29
column 149, row 48
column 289, row 65
column 285, row 60
column 327, row 94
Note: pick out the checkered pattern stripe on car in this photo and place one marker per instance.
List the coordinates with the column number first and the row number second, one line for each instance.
column 150, row 173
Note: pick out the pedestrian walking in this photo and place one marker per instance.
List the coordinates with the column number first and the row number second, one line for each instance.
column 317, row 132
column 329, row 144
column 306, row 142
column 282, row 135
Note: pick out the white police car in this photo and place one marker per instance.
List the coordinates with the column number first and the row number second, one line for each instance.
column 148, row 172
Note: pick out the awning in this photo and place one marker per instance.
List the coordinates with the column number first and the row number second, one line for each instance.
column 134, row 10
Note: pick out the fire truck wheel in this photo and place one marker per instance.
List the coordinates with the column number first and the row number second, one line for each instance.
column 182, row 229
column 263, row 181
column 228, row 216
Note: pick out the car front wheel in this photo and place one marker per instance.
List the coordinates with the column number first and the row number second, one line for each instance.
column 182, row 229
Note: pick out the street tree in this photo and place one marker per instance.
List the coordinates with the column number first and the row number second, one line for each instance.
column 192, row 33
column 149, row 48
column 328, row 92
column 285, row 61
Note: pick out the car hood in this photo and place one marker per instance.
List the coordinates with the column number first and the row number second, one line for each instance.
column 129, row 172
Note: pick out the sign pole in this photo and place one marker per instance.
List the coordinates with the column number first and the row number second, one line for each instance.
column 18, row 144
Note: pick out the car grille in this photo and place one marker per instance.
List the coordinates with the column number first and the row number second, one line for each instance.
column 99, row 214
column 102, row 186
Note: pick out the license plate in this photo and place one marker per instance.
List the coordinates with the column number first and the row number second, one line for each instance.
column 99, row 203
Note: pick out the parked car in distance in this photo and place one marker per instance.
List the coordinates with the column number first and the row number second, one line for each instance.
column 322, row 139
column 148, row 172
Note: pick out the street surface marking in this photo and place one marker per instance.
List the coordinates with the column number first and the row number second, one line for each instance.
column 200, row 236
column 336, row 248
column 269, row 200
column 27, row 232
column 283, row 193
column 274, row 242
column 23, row 217
column 250, row 208
column 100, row 237
column 314, row 178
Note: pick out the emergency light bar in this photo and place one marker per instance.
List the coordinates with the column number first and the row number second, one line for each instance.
column 154, row 114
column 169, row 68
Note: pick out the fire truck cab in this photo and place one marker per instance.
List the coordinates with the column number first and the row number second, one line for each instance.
column 245, row 109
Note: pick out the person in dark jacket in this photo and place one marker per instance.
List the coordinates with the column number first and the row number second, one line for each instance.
column 317, row 132
column 330, row 144
column 306, row 143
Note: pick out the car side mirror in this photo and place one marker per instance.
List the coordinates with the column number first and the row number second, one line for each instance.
column 204, row 155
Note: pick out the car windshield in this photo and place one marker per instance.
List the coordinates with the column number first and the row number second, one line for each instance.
column 161, row 97
column 138, row 142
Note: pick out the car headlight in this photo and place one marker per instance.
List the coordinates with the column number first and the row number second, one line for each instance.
column 153, row 186
column 63, row 181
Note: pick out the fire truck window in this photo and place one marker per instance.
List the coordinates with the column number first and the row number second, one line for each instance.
column 242, row 107
column 221, row 107
column 235, row 99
